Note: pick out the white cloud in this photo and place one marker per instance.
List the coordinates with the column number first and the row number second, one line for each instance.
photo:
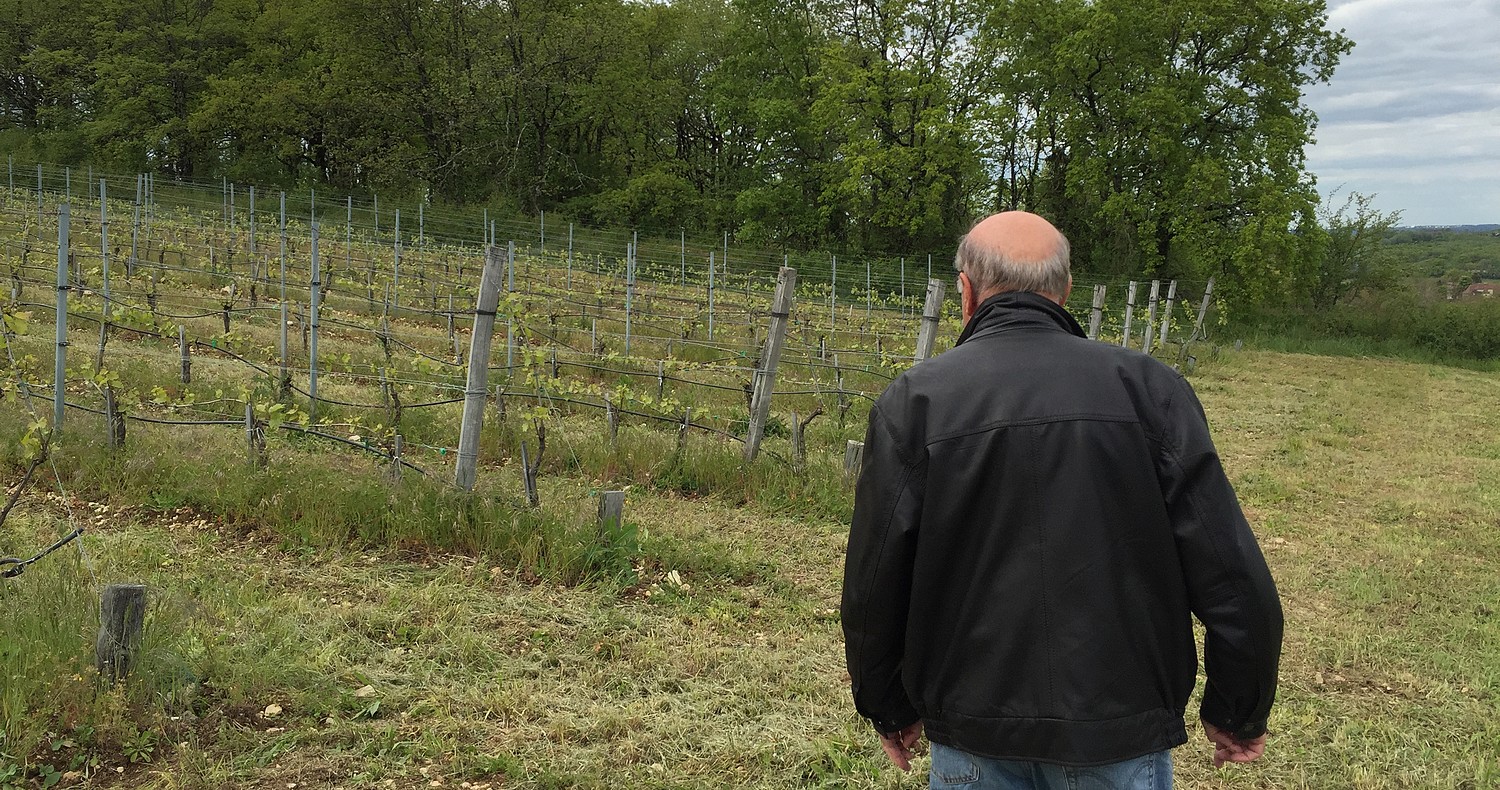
column 1413, row 113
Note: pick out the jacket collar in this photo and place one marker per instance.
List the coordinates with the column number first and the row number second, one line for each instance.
column 1018, row 310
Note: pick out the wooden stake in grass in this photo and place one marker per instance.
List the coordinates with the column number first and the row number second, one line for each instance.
column 314, row 297
column 479, row 356
column 854, row 459
column 611, row 513
column 122, row 612
column 59, row 370
column 1148, row 338
column 183, row 357
column 932, row 310
column 1129, row 314
column 1208, row 295
column 765, row 374
column 1166, row 317
column 1096, row 316
column 114, row 421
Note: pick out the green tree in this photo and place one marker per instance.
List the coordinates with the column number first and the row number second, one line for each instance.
column 1354, row 255
column 1168, row 136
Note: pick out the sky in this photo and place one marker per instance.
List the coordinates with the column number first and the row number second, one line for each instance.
column 1412, row 115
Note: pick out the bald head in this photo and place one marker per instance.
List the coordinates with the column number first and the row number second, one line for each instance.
column 1015, row 251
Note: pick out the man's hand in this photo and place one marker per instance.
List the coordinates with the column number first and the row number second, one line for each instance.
column 1229, row 749
column 898, row 745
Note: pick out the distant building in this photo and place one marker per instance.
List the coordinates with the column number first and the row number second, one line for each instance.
column 1482, row 290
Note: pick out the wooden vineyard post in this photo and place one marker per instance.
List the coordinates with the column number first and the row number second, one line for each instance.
column 1150, row 332
column 854, row 459
column 396, row 267
column 284, row 384
column 868, row 293
column 710, row 295
column 114, row 421
column 135, row 231
column 122, row 613
column 60, row 361
column 104, row 252
column 1208, row 295
column 1129, row 313
column 1096, row 317
column 510, row 320
column 479, row 356
column 1166, row 318
column 844, row 401
column 252, row 221
column 611, row 513
column 765, row 376
column 349, row 243
column 931, row 311
column 629, row 292
column 184, row 358
column 314, row 300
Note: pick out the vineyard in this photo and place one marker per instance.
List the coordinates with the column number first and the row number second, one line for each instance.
column 262, row 420
column 360, row 334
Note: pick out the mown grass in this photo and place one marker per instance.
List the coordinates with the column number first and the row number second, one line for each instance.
column 1374, row 485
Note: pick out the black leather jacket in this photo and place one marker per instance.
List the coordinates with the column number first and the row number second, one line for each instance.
column 1038, row 519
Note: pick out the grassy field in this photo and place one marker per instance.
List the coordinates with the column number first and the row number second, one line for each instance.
column 279, row 659
column 316, row 624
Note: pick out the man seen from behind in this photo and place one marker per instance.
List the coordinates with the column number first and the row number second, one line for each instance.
column 1038, row 519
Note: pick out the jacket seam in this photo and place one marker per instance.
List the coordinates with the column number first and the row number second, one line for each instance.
column 1075, row 417
column 1046, row 598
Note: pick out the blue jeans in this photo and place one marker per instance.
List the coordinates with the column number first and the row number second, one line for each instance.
column 952, row 768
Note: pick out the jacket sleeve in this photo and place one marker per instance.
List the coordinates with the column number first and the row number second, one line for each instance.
column 878, row 574
column 1229, row 587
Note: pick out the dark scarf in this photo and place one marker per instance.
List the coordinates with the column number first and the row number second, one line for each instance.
column 1016, row 308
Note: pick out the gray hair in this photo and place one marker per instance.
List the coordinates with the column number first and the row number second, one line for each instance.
column 993, row 271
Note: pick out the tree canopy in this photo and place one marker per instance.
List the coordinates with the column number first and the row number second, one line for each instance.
column 1163, row 136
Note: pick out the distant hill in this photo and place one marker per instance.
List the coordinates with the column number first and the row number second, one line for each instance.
column 1455, row 228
